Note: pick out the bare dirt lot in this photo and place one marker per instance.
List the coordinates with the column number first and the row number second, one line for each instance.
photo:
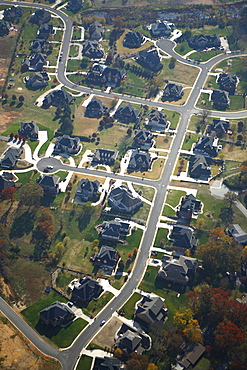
column 105, row 338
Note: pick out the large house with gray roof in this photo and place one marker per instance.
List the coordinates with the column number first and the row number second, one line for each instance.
column 10, row 158
column 151, row 309
column 183, row 237
column 29, row 130
column 50, row 184
column 86, row 290
column 227, row 82
column 92, row 50
column 157, row 121
column 105, row 156
column 199, row 167
column 113, row 231
column 133, row 40
column 12, row 13
column 96, row 31
column 56, row 314
column 127, row 114
column 122, row 199
column 106, row 259
column 41, row 16
column 207, row 146
column 236, row 232
column 66, row 144
column 57, row 98
column 107, row 363
column 132, row 340
column 36, row 80
column 95, row 108
column 172, row 92
column 87, row 189
column 139, row 161
column 161, row 28
column 149, row 60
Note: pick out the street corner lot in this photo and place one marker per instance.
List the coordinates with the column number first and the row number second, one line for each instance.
column 105, row 338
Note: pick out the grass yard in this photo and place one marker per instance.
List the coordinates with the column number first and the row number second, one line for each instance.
column 73, row 51
column 183, row 48
column 121, row 50
column 133, row 242
column 134, row 85
column 173, row 117
column 203, row 364
column 181, row 73
column 174, row 196
column 119, row 281
column 129, row 306
column 211, row 30
column 155, row 172
column 163, row 142
column 189, row 140
column 94, row 307
column 203, row 102
column 161, row 234
column 85, row 363
column 237, row 103
column 232, row 152
column 204, row 56
column 74, row 65
column 168, row 211
column 147, row 191
column 194, row 123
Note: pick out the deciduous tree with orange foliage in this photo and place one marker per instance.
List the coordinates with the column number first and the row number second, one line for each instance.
column 227, row 337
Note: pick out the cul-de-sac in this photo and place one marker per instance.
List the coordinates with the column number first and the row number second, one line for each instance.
column 123, row 185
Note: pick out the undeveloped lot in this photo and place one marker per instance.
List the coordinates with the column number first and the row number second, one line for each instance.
column 105, row 338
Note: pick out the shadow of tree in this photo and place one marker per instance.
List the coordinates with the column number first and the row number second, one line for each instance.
column 23, row 224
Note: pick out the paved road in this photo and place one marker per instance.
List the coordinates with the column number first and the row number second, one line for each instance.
column 68, row 357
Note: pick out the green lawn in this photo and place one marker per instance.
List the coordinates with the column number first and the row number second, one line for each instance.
column 147, row 191
column 161, row 234
column 173, row 117
column 205, row 56
column 174, row 196
column 183, row 48
column 95, row 307
column 189, row 139
column 133, row 242
column 203, row 364
column 129, row 307
column 84, row 363
column 181, row 73
column 168, row 211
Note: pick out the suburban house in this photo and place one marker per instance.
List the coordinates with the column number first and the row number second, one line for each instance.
column 143, row 139
column 220, row 127
column 122, row 199
column 92, row 50
column 39, row 46
column 157, row 121
column 10, row 158
column 178, row 271
column 50, row 184
column 132, row 340
column 96, row 31
column 105, row 156
column 127, row 114
column 35, row 62
column 74, row 5
column 66, row 144
column 6, row 181
column 36, row 80
column 237, row 234
column 200, row 42
column 189, row 206
column 133, row 40
column 113, row 231
column 5, row 27
column 151, row 309
column 220, row 99
column 57, row 314
column 86, row 290
column 183, row 237
column 57, row 98
column 87, row 189
column 107, row 363
column 95, row 108
column 12, row 13
column 105, row 76
column 150, row 60
column 207, row 146
column 172, row 92
column 161, row 28
column 227, row 82
column 191, row 355
column 41, row 16
column 106, row 259
column 45, row 31
column 29, row 130
column 139, row 161
column 199, row 167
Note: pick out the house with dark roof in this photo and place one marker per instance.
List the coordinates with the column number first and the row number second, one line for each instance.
column 143, row 139
column 12, row 13
column 139, row 161
column 157, row 121
column 132, row 340
column 92, row 50
column 113, row 231
column 127, row 114
column 227, row 82
column 105, row 156
column 191, row 355
column 10, row 158
column 178, row 271
column 199, row 167
column 6, row 181
column 66, row 144
column 5, row 27
column 95, row 108
column 39, row 46
column 207, row 146
column 200, row 42
column 45, row 31
column 50, row 184
column 236, row 232
column 151, row 309
column 36, row 80
column 87, row 189
column 220, row 127
column 220, row 99
column 86, row 290
column 183, row 237
column 122, row 199
column 96, row 31
column 41, row 16
column 58, row 98
column 161, row 28
column 74, row 5
column 29, row 130
column 189, row 205
column 102, row 75
column 106, row 259
column 150, row 60
column 172, row 92
column 107, row 363
column 35, row 62
column 57, row 314
column 133, row 40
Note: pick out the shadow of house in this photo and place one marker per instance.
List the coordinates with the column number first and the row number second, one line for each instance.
column 74, row 5
column 29, row 130
column 12, row 13
column 123, row 200
column 34, row 62
column 106, row 259
column 143, row 139
column 220, row 127
column 207, row 146
column 200, row 42
column 50, row 184
column 6, row 181
column 113, row 231
column 199, row 167
column 189, row 205
column 183, row 238
column 66, row 144
column 57, row 314
column 190, row 357
column 227, row 82
column 133, row 40
column 41, row 16
column 107, row 363
column 236, row 232
column 45, row 31
column 86, row 290
column 220, row 99
column 105, row 156
column 139, row 161
column 161, row 29
column 5, row 27
column 150, row 60
column 172, row 92
column 157, row 121
column 132, row 340
column 151, row 310
column 92, row 50
column 96, row 31
column 57, row 98
column 10, row 158
column 87, row 189
column 127, row 114
column 95, row 108
column 36, row 80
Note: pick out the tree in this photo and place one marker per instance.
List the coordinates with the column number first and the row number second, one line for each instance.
column 137, row 362
column 227, row 337
column 152, row 366
column 172, row 63
column 118, row 22
column 230, row 198
column 14, row 97
column 21, row 98
column 59, row 250
column 46, row 229
column 9, row 193
column 66, row 127
column 192, row 331
column 118, row 352
column 45, row 215
column 30, row 195
column 182, row 317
